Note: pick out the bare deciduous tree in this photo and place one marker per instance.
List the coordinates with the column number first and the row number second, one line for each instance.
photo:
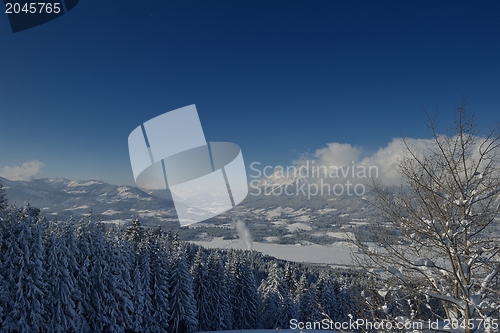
column 437, row 241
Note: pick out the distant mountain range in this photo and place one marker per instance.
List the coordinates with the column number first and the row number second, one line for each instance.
column 270, row 218
column 61, row 198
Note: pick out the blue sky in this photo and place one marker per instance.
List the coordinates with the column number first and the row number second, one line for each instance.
column 279, row 78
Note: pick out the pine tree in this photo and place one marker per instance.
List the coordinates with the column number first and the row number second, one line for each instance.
column 11, row 255
column 138, row 299
column 173, row 245
column 273, row 292
column 160, row 282
column 100, row 299
column 119, row 283
column 3, row 285
column 289, row 304
column 289, row 310
column 307, row 301
column 218, row 297
column 203, row 294
column 278, row 303
column 245, row 299
column 72, row 258
column 25, row 274
column 328, row 289
column 346, row 301
column 61, row 285
column 3, row 248
column 290, row 278
column 272, row 310
column 135, row 233
column 82, row 273
column 145, row 283
column 182, row 303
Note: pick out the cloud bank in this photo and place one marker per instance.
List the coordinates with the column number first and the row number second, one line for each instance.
column 27, row 171
column 346, row 161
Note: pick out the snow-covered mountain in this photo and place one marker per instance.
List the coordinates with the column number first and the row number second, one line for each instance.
column 61, row 198
column 271, row 218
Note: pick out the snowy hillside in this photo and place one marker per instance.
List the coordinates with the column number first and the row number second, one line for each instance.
column 273, row 219
column 61, row 198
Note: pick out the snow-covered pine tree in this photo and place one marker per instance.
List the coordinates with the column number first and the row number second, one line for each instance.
column 138, row 299
column 3, row 248
column 181, row 300
column 61, row 284
column 190, row 251
column 307, row 301
column 144, row 288
column 72, row 255
column 25, row 273
column 230, row 282
column 289, row 310
column 37, row 286
column 168, row 240
column 273, row 292
column 245, row 300
column 3, row 285
column 226, row 282
column 100, row 299
column 289, row 304
column 346, row 298
column 135, row 233
column 119, row 283
column 82, row 254
column 173, row 245
column 327, row 290
column 11, row 255
column 160, row 278
column 218, row 297
column 203, row 294
column 272, row 310
column 290, row 278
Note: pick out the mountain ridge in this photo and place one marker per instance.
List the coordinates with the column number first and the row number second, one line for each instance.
column 275, row 218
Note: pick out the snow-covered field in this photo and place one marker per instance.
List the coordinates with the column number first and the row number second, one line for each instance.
column 338, row 254
column 298, row 226
column 110, row 212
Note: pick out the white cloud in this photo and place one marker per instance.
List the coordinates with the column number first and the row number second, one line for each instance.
column 386, row 158
column 345, row 158
column 344, row 161
column 337, row 154
column 24, row 172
